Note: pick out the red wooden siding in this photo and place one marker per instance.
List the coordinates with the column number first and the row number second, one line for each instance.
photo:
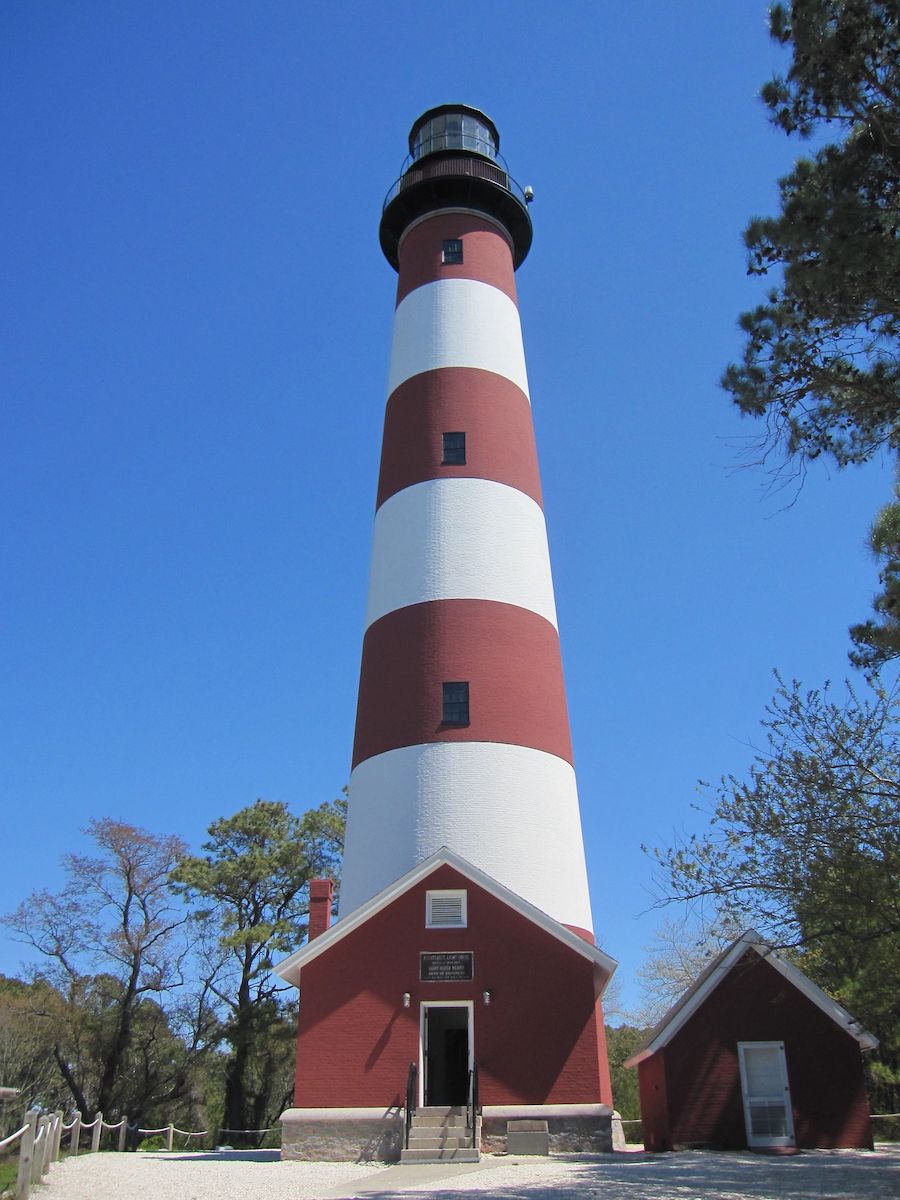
column 538, row 1042
column 654, row 1103
column 699, row 1071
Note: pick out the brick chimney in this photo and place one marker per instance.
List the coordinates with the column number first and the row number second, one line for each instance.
column 321, row 897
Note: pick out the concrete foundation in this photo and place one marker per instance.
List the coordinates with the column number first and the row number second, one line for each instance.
column 342, row 1134
column 375, row 1134
column 584, row 1128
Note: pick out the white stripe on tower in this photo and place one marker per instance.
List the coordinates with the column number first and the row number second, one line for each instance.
column 510, row 789
column 457, row 323
column 473, row 538
column 461, row 591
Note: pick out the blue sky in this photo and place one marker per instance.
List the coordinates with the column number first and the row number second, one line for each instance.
column 194, row 342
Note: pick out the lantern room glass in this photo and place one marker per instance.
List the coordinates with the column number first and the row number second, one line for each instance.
column 454, row 131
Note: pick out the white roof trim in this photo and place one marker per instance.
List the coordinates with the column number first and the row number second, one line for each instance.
column 290, row 967
column 710, row 978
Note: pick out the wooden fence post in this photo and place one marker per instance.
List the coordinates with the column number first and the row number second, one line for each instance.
column 26, row 1151
column 95, row 1134
column 76, row 1134
column 123, row 1132
column 170, row 1137
column 47, row 1157
column 58, row 1132
column 40, row 1143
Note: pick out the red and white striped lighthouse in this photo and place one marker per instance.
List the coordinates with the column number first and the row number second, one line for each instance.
column 462, row 732
column 461, row 987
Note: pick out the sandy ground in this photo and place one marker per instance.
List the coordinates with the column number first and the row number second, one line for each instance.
column 822, row 1174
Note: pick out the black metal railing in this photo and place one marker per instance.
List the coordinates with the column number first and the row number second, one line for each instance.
column 473, row 1105
column 492, row 171
column 412, row 1092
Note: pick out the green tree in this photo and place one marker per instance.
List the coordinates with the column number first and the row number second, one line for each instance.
column 820, row 361
column 807, row 850
column 26, row 1049
column 622, row 1041
column 114, row 946
column 252, row 887
column 878, row 641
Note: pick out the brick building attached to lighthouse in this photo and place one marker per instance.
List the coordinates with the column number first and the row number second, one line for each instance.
column 460, row 990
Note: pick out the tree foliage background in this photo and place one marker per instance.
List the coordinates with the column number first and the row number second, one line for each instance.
column 821, row 358
column 251, row 887
column 153, row 996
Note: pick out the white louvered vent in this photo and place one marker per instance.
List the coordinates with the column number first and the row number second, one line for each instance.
column 445, row 910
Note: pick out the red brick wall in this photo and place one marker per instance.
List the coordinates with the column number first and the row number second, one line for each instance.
column 537, row 1042
column 321, row 898
column 754, row 1003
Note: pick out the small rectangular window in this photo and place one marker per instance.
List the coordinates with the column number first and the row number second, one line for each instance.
column 454, row 449
column 456, row 703
column 445, row 910
column 453, row 252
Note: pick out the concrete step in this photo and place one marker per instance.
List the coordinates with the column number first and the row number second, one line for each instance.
column 441, row 1142
column 435, row 1130
column 434, row 1123
column 461, row 1154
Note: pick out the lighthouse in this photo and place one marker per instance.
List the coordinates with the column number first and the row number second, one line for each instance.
column 462, row 973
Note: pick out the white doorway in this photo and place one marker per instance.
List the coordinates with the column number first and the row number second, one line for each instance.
column 767, row 1098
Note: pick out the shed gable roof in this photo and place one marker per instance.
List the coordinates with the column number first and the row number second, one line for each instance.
column 713, row 974
column 290, row 967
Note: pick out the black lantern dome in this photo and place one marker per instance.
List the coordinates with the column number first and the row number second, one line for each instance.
column 454, row 162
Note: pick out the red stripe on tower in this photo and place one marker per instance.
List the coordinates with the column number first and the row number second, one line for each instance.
column 493, row 413
column 486, row 256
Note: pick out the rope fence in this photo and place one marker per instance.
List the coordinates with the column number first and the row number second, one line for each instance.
column 40, row 1141
column 269, row 1130
column 8, row 1141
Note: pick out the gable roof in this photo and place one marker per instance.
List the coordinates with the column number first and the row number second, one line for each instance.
column 290, row 967
column 713, row 974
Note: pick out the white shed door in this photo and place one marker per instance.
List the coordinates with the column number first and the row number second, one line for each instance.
column 767, row 1097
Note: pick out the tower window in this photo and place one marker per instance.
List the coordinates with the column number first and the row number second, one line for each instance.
column 452, row 252
column 445, row 910
column 454, row 449
column 456, row 703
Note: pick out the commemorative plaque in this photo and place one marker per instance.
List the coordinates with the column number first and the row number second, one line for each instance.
column 454, row 966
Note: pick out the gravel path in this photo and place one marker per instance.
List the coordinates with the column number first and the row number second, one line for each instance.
column 813, row 1175
column 240, row 1175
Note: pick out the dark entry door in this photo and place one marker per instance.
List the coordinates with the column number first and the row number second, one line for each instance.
column 446, row 1055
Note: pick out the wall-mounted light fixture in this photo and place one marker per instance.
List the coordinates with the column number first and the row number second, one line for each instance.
column 486, row 997
column 406, row 999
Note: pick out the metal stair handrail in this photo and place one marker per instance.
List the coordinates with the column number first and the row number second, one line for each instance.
column 473, row 1104
column 412, row 1091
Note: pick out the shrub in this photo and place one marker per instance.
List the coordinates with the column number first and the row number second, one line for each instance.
column 156, row 1142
